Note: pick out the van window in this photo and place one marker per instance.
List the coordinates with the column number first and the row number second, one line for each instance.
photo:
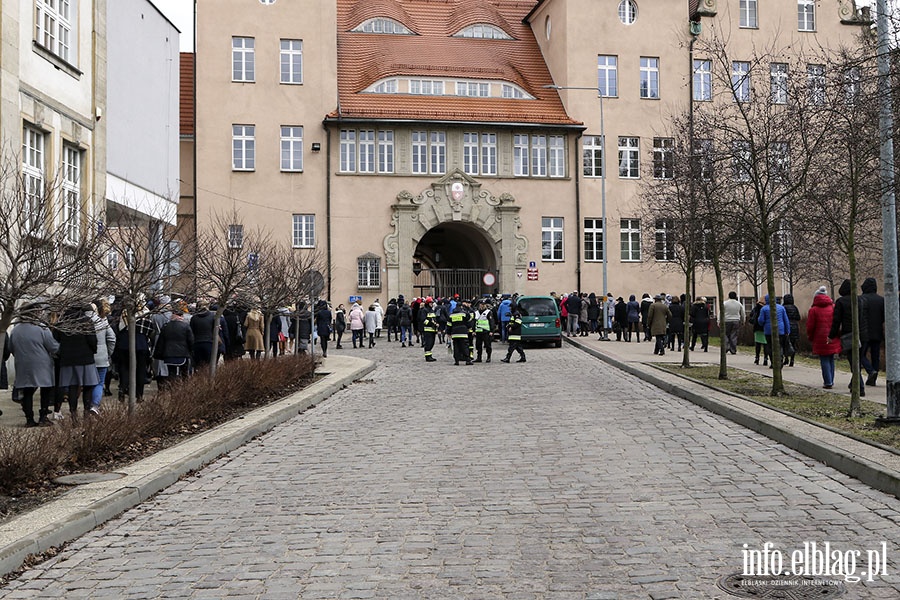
column 538, row 307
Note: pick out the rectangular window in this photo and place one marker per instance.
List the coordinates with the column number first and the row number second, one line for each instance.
column 473, row 88
column 806, row 15
column 665, row 240
column 243, row 147
column 33, row 169
column 704, row 152
column 53, row 26
column 629, row 158
column 426, row 87
column 438, row 151
column 173, row 259
column 368, row 272
column 348, row 150
column 386, row 87
column 539, row 156
column 235, row 236
column 740, row 80
column 304, row 231
column 243, row 59
column 592, row 156
column 71, row 192
column 778, row 79
column 851, row 85
column 291, row 61
column 470, row 153
column 291, row 148
column 420, row 152
column 748, row 14
column 366, row 150
column 551, row 238
column 593, row 240
column 520, row 155
column 741, row 159
column 607, row 75
column 557, row 156
column 630, row 231
column 663, row 158
column 702, row 80
column 488, row 153
column 650, row 77
column 815, row 83
column 509, row 91
column 385, row 151
column 779, row 162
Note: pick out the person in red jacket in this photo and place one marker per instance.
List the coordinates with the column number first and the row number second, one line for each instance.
column 818, row 326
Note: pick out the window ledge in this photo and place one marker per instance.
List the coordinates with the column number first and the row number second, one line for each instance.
column 55, row 60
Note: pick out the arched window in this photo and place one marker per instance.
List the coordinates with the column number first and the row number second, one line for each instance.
column 382, row 25
column 483, row 31
column 627, row 11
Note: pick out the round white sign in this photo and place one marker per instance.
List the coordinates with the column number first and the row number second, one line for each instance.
column 489, row 279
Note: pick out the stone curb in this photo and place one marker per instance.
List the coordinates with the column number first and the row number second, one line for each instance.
column 782, row 427
column 71, row 520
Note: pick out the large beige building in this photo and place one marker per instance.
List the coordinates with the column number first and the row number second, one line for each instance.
column 419, row 145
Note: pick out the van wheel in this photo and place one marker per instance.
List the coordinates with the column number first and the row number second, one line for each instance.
column 559, row 343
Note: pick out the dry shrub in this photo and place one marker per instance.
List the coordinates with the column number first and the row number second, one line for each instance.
column 31, row 456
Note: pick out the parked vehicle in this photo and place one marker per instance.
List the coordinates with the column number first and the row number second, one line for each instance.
column 540, row 319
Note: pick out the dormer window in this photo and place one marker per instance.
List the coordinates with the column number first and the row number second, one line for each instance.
column 383, row 25
column 448, row 87
column 514, row 91
column 483, row 31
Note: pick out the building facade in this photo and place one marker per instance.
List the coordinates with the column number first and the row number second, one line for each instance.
column 440, row 147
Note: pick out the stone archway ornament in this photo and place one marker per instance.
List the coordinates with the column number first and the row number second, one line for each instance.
column 456, row 197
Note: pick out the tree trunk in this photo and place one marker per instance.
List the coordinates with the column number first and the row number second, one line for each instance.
column 777, row 376
column 723, row 346
column 132, row 360
column 214, row 353
column 686, row 354
column 855, row 409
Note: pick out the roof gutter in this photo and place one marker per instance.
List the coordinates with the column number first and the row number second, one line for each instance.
column 521, row 124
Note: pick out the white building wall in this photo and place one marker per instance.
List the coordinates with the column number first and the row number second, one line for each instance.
column 142, row 109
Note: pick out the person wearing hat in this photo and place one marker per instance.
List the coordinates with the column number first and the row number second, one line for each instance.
column 461, row 322
column 818, row 327
column 700, row 323
column 515, row 336
column 404, row 319
column 658, row 317
column 484, row 329
column 429, row 326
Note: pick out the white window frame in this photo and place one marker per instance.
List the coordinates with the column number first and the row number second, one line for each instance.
column 419, row 158
column 471, row 153
column 365, row 150
column 521, row 163
column 426, row 87
column 740, row 80
column 291, row 148
column 608, row 75
column 382, row 25
column 291, row 61
column 779, row 162
column 592, row 156
column 629, row 157
column 388, row 86
column 303, row 231
column 665, row 240
column 552, row 239
column 71, row 193
column 348, row 151
column 749, row 18
column 630, row 236
column 538, row 155
column 650, row 78
column 437, row 152
column 488, row 154
column 243, row 147
column 556, row 156
column 368, row 272
column 806, row 15
column 704, row 151
column 593, row 240
column 815, row 83
column 473, row 89
column 243, row 59
column 740, row 159
column 702, row 80
column 663, row 158
column 53, row 26
column 33, row 170
column 236, row 236
column 483, row 31
column 778, row 82
column 627, row 12
column 385, row 151
column 508, row 90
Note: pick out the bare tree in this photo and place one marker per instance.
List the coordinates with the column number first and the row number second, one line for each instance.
column 140, row 257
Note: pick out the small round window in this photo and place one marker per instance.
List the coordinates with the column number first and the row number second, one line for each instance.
column 267, row 2
column 547, row 27
column 627, row 11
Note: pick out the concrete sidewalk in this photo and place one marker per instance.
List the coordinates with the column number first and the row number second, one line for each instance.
column 808, row 375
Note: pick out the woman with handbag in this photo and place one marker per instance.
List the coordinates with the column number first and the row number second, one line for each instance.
column 842, row 328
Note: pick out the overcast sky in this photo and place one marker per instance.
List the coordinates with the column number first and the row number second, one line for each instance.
column 181, row 12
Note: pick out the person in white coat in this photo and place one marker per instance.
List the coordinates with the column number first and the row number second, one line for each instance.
column 379, row 315
column 371, row 324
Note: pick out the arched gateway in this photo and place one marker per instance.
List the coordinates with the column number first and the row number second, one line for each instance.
column 452, row 234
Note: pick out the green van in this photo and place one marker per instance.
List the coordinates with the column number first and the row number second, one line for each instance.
column 540, row 319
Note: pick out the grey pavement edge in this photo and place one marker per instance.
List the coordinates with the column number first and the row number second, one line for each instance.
column 87, row 506
column 874, row 465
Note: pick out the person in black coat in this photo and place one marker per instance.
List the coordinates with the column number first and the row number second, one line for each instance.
column 793, row 338
column 174, row 347
column 676, row 324
column 390, row 319
column 871, row 350
column 203, row 325
column 620, row 316
column 234, row 317
column 842, row 327
column 340, row 324
column 700, row 323
column 323, row 326
column 77, row 345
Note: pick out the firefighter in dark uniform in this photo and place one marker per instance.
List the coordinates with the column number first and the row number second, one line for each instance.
column 485, row 323
column 515, row 337
column 460, row 327
column 428, row 322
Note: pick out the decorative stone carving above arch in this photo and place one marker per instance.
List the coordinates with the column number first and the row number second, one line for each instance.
column 455, row 197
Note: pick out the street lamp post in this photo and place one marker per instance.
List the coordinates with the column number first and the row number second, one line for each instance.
column 605, row 244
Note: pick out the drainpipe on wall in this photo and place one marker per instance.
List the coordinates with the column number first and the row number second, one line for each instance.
column 328, row 204
column 578, row 223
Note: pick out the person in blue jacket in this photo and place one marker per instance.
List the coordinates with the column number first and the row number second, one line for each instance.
column 503, row 313
column 783, row 325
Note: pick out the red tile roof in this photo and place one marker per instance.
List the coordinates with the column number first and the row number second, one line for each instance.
column 365, row 58
column 186, row 96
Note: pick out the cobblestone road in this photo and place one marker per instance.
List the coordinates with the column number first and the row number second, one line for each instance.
column 560, row 478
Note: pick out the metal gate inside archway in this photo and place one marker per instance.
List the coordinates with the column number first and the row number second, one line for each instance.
column 444, row 283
